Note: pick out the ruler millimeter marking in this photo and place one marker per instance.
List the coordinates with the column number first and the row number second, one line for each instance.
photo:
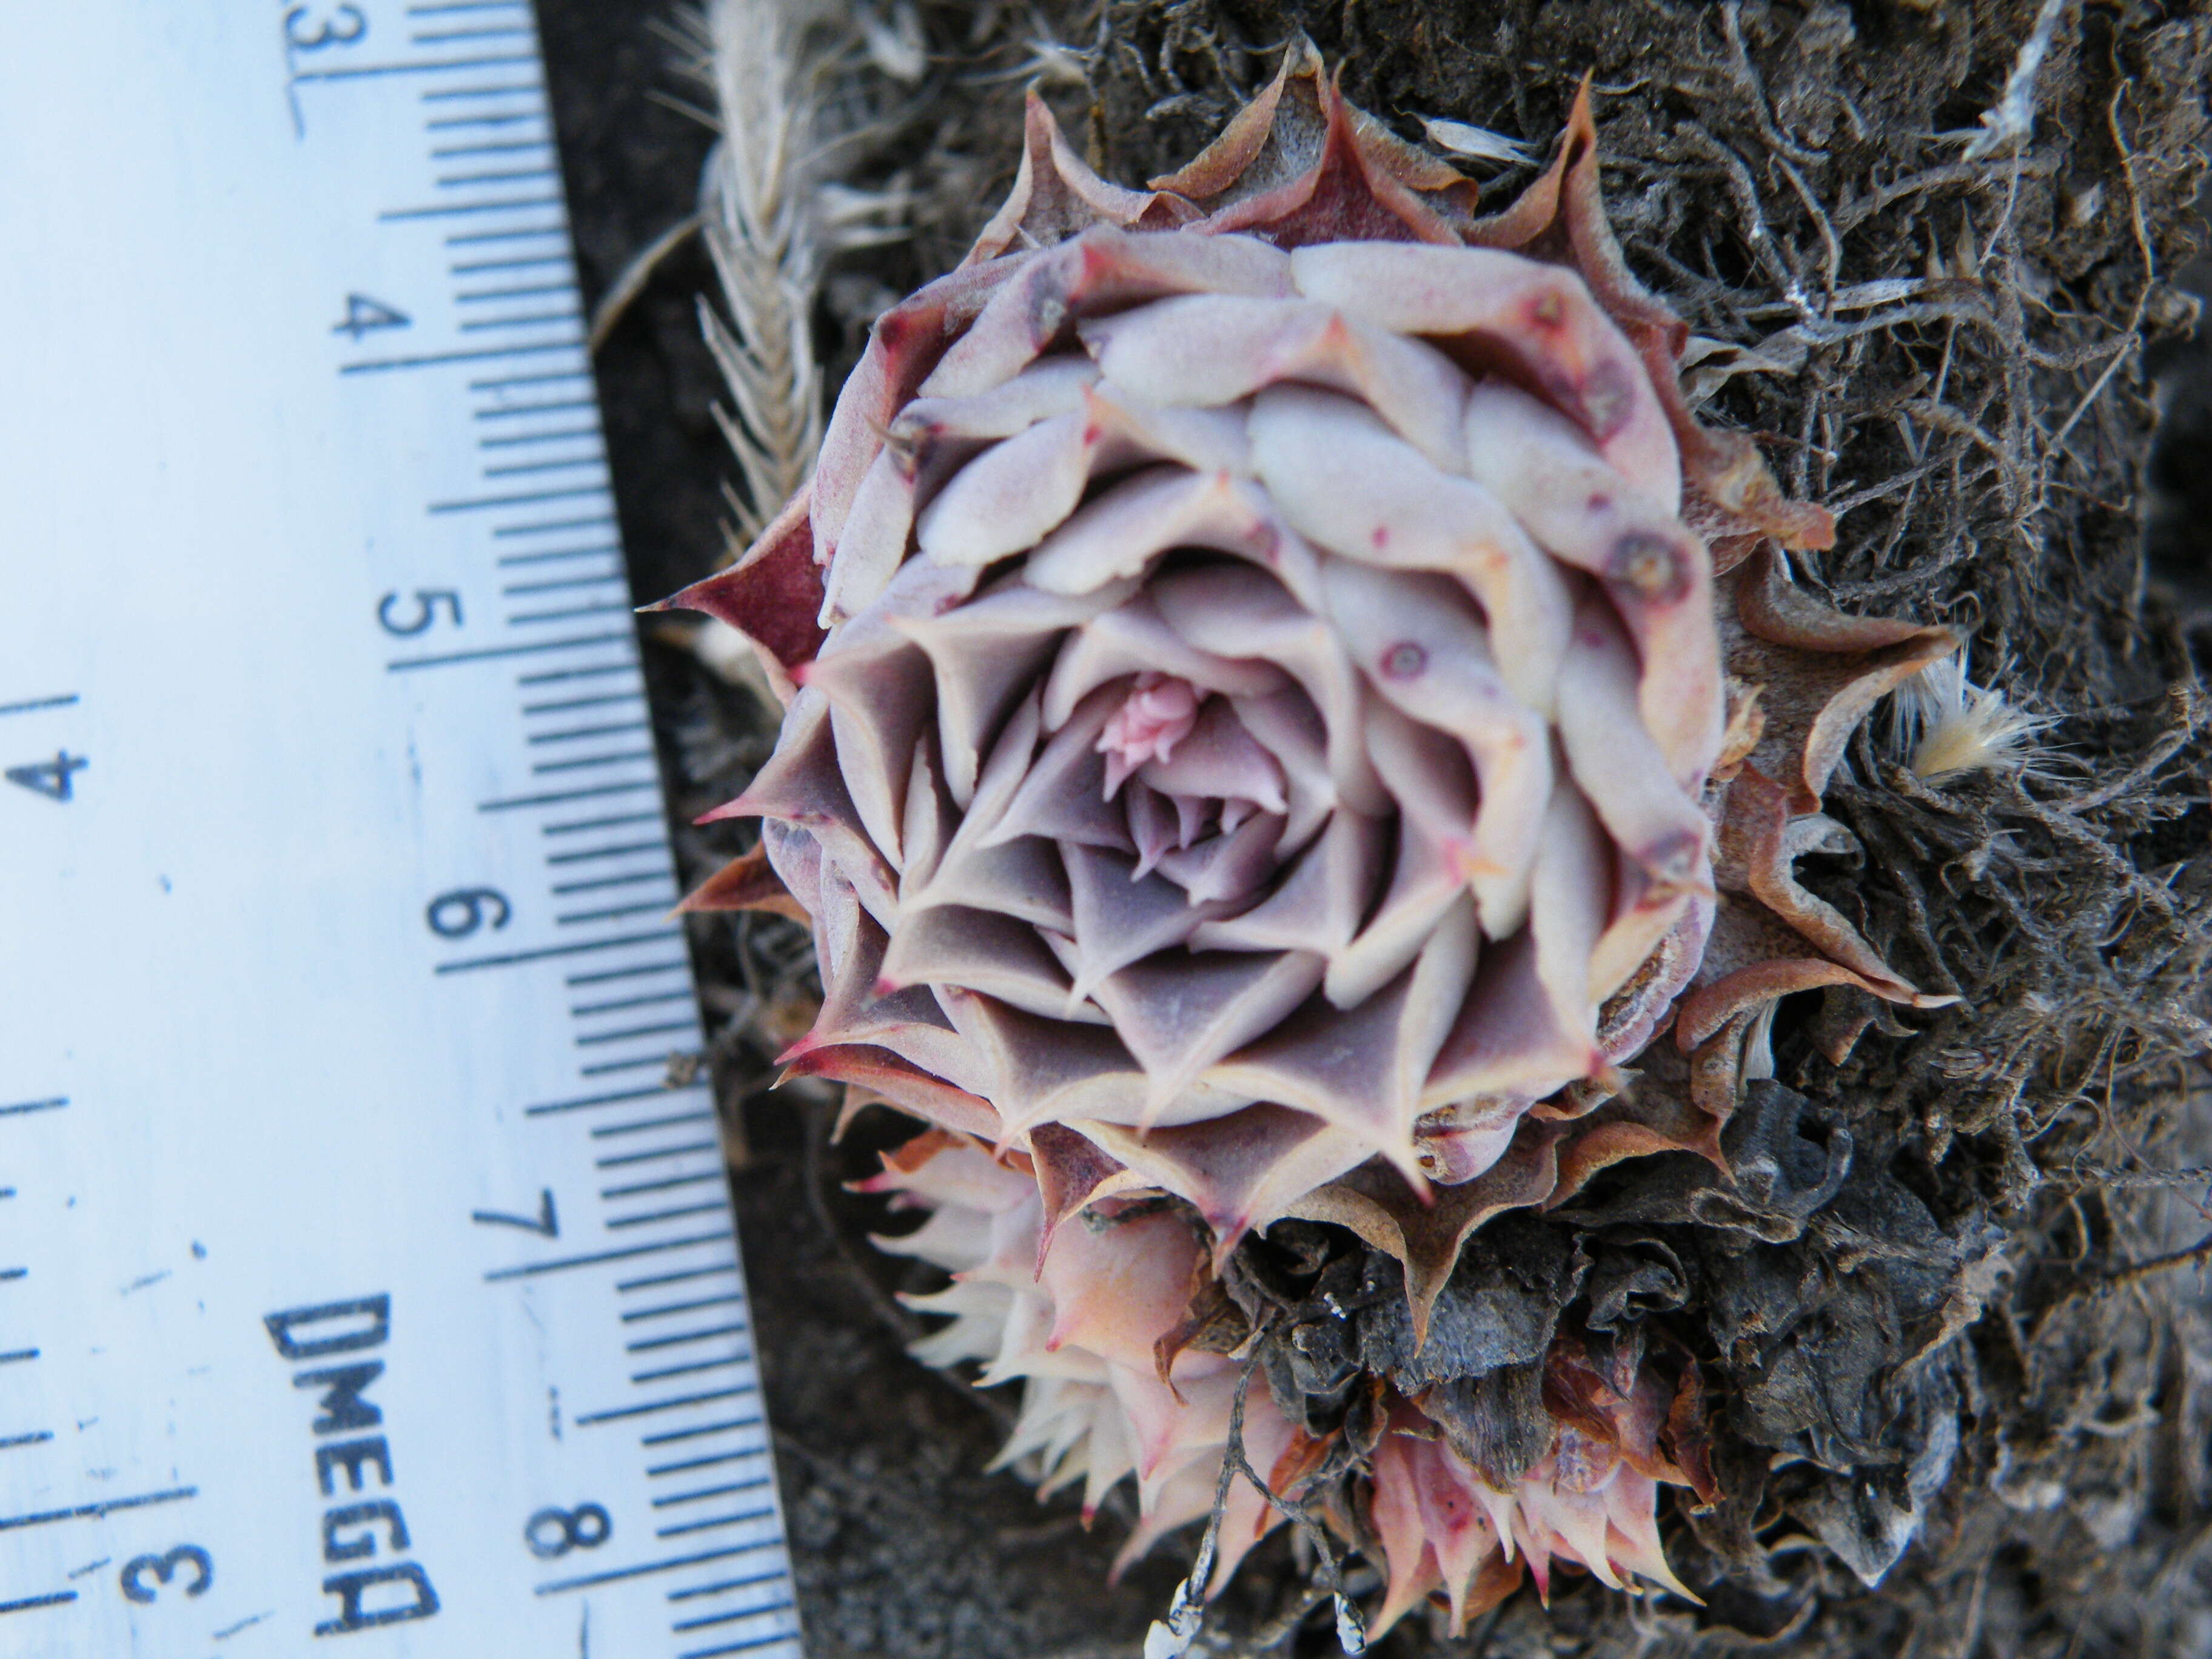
column 366, row 1274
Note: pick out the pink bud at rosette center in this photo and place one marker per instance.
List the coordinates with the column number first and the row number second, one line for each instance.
column 1283, row 701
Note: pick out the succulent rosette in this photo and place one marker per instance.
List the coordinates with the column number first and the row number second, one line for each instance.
column 1082, row 1324
column 1283, row 701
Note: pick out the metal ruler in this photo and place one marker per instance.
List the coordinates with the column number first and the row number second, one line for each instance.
column 367, row 1277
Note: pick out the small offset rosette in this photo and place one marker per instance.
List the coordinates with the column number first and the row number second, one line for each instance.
column 1081, row 1319
column 1445, row 1526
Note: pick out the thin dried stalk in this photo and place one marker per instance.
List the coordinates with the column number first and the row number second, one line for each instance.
column 634, row 278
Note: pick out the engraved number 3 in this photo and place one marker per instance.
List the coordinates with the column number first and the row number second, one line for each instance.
column 162, row 1567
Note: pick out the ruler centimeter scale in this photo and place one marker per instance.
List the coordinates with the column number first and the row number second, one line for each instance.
column 368, row 1282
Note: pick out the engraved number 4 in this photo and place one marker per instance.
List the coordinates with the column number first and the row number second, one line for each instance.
column 54, row 778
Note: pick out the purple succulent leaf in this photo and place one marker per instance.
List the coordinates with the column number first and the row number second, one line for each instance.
column 1361, row 1068
column 1120, row 917
column 1320, row 903
column 1657, row 825
column 985, row 951
column 1104, row 268
column 1654, row 571
column 986, row 654
column 1235, row 608
column 1479, row 303
column 1120, row 531
column 1134, row 638
column 1240, row 1171
column 804, row 785
column 1346, row 483
column 1181, row 1012
column 1210, row 349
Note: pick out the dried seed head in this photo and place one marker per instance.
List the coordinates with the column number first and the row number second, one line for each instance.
column 1946, row 726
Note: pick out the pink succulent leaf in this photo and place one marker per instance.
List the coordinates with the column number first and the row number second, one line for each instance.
column 769, row 596
column 902, row 348
column 1349, row 485
column 1156, row 714
column 1054, row 195
column 747, row 883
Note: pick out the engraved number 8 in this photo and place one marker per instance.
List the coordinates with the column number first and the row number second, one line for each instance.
column 554, row 1531
column 344, row 26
